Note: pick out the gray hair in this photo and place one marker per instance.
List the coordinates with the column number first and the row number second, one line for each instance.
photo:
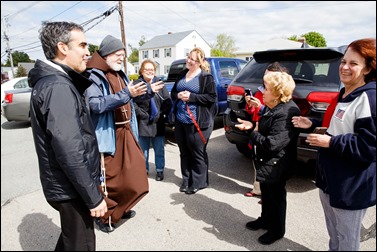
column 52, row 33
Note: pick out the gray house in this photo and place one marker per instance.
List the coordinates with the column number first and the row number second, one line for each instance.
column 164, row 49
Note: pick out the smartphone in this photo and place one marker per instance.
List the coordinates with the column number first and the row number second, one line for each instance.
column 136, row 81
column 248, row 92
column 320, row 130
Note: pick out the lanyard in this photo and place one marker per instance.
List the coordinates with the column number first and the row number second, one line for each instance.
column 195, row 123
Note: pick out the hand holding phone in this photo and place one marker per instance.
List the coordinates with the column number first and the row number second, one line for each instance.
column 320, row 130
column 248, row 92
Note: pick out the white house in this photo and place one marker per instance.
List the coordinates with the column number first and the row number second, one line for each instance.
column 164, row 49
column 130, row 68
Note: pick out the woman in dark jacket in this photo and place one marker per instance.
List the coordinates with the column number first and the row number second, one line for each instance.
column 274, row 141
column 194, row 96
column 151, row 118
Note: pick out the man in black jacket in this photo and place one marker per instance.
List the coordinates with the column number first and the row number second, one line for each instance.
column 64, row 137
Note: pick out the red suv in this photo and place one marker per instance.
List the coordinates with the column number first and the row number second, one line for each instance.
column 316, row 74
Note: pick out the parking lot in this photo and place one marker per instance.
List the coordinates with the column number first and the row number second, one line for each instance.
column 212, row 219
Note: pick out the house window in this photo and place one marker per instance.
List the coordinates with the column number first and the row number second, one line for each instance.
column 187, row 52
column 156, row 53
column 167, row 52
column 145, row 54
column 166, row 69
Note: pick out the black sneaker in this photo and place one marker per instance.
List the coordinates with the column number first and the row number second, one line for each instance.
column 159, row 176
column 269, row 238
column 183, row 188
column 130, row 214
column 255, row 225
column 106, row 228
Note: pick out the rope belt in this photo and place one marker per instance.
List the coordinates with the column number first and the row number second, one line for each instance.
column 103, row 182
column 121, row 123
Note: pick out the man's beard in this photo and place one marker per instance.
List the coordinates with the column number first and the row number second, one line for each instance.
column 113, row 65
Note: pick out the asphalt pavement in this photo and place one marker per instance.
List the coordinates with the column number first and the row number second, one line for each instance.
column 166, row 219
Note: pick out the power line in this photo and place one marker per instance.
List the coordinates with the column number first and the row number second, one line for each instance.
column 103, row 15
column 47, row 20
column 26, row 8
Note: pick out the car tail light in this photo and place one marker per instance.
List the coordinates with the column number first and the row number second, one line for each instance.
column 8, row 98
column 235, row 93
column 226, row 128
column 303, row 105
column 320, row 100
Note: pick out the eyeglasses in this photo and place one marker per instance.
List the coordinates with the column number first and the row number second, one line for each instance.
column 120, row 55
column 188, row 58
column 148, row 70
column 261, row 88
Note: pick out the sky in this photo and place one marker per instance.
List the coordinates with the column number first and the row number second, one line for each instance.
column 248, row 23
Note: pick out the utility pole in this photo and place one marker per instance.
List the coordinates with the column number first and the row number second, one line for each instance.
column 8, row 50
column 123, row 34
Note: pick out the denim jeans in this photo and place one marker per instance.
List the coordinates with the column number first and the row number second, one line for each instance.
column 158, row 144
column 343, row 225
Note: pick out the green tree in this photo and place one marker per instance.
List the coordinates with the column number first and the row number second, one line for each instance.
column 21, row 72
column 225, row 46
column 18, row 57
column 315, row 39
column 92, row 48
column 134, row 55
column 311, row 38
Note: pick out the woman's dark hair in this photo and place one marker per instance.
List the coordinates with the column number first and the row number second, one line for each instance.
column 276, row 67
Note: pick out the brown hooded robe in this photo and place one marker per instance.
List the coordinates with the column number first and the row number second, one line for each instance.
column 126, row 177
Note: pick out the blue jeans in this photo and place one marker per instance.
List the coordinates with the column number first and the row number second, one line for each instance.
column 158, row 144
column 343, row 225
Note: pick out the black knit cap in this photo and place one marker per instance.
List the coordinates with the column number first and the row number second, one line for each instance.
column 109, row 45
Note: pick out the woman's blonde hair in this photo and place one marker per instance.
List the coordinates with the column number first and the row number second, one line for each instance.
column 282, row 85
column 204, row 65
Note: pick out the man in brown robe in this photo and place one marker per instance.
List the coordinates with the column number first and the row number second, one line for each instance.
column 110, row 99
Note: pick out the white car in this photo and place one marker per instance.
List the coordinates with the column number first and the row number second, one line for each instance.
column 16, row 83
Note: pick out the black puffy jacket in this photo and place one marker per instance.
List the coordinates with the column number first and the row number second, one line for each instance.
column 63, row 133
column 275, row 143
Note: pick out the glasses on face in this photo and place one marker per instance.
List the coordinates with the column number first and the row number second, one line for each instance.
column 188, row 58
column 120, row 55
column 261, row 88
column 148, row 70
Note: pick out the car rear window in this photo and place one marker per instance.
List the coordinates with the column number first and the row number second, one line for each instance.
column 318, row 72
column 175, row 70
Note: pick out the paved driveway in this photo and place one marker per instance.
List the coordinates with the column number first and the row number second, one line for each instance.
column 212, row 219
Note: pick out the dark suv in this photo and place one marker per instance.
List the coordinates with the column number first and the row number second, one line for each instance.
column 316, row 74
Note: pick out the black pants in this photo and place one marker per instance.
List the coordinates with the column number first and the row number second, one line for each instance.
column 77, row 226
column 193, row 153
column 274, row 206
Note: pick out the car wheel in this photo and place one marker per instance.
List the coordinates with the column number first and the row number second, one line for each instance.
column 244, row 149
